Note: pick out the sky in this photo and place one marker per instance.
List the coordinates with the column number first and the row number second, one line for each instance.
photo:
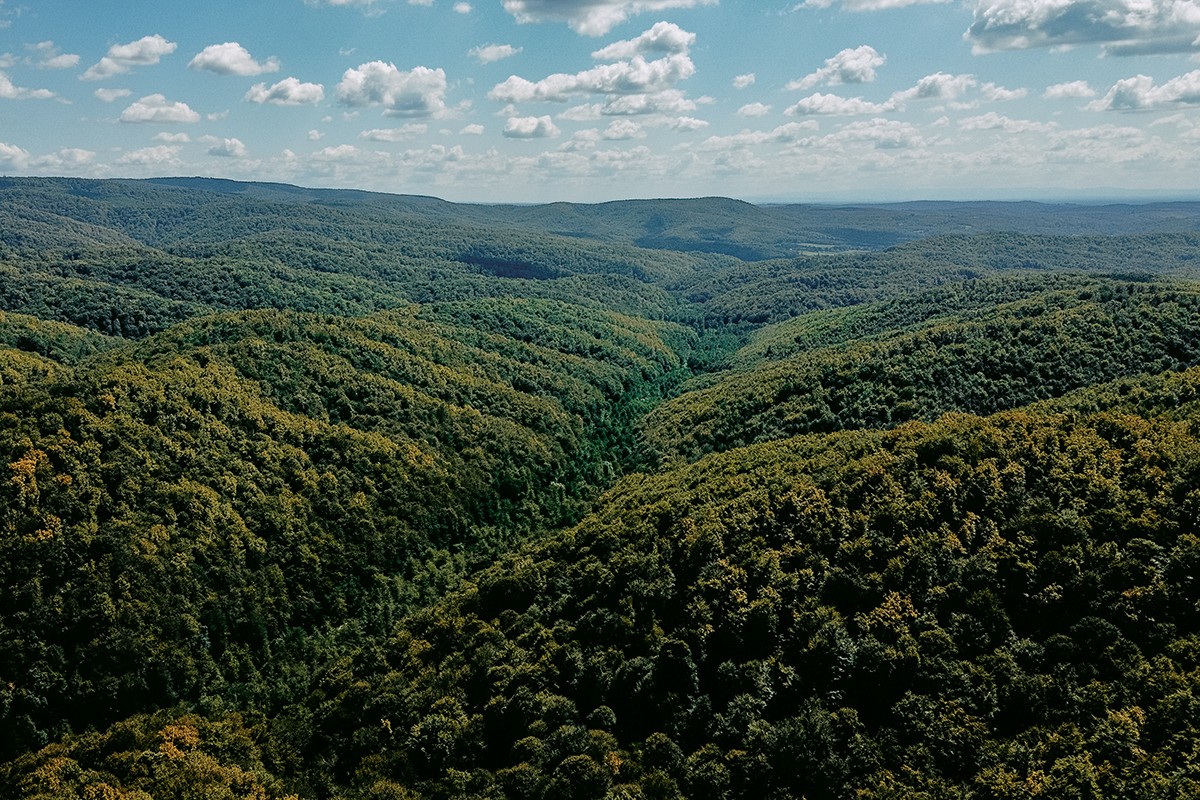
column 591, row 100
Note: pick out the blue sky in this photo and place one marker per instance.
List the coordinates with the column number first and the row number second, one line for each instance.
column 592, row 100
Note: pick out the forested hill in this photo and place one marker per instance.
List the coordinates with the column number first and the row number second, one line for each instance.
column 702, row 225
column 317, row 494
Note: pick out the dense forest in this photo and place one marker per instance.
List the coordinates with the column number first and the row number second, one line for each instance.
column 329, row 494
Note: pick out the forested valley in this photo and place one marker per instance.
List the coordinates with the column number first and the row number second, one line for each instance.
column 328, row 494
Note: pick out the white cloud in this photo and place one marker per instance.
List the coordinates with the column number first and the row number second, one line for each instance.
column 417, row 93
column 122, row 58
column 161, row 155
column 591, row 17
column 938, row 86
column 999, row 94
column 866, row 5
column 67, row 157
column 1178, row 119
column 991, row 121
column 835, row 105
column 231, row 58
column 1139, row 93
column 584, row 113
column 530, row 128
column 1121, row 27
column 175, row 138
column 662, row 39
column 474, row 129
column 852, row 65
column 784, row 134
column 13, row 156
column 228, row 148
column 340, row 153
column 47, row 55
column 156, row 108
column 670, row 101
column 1061, row 91
column 623, row 130
column 685, row 123
column 111, row 95
column 462, row 8
column 10, row 91
column 636, row 76
column 754, row 110
column 742, row 81
column 287, row 92
column 634, row 86
column 489, row 53
column 394, row 134
column 371, row 8
column 315, row 135
column 883, row 134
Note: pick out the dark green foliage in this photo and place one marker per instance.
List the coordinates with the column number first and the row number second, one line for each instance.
column 976, row 607
column 976, row 360
column 181, row 508
column 302, row 496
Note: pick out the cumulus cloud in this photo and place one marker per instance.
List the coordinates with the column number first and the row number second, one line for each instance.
column 488, row 53
column 1140, row 94
column 343, row 153
column 685, row 123
column 1061, row 91
column 591, row 17
column 991, row 121
column 530, row 128
column 474, row 129
column 231, row 58
column 371, row 8
column 784, row 134
column 111, row 95
column 663, row 39
column 463, row 8
column 67, row 157
column 417, row 93
column 175, row 138
column 623, row 130
column 637, row 76
column 157, row 109
column 228, row 148
column 1000, row 94
column 744, row 80
column 852, row 65
column 47, row 55
column 1121, row 27
column 865, row 5
column 288, row 92
column 13, row 156
column 10, row 91
column 394, row 134
column 883, row 134
column 754, row 110
column 670, row 101
column 122, row 58
column 938, row 86
column 160, row 155
column 835, row 105
column 634, row 84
